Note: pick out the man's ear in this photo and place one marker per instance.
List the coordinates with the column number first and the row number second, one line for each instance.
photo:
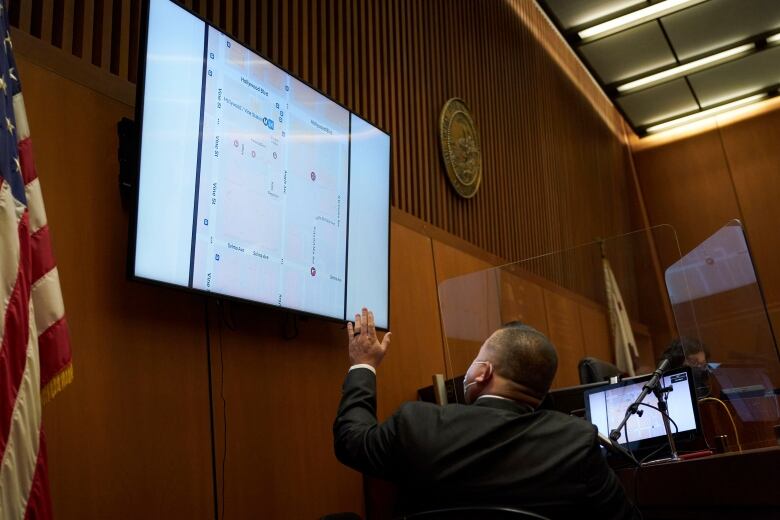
column 485, row 373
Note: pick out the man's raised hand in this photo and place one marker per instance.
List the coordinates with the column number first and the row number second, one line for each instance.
column 364, row 345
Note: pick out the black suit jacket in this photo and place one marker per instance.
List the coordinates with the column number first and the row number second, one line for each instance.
column 494, row 452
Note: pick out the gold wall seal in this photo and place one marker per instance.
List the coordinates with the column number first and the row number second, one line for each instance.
column 460, row 147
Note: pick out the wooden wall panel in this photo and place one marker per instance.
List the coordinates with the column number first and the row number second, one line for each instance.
column 687, row 185
column 753, row 155
column 774, row 318
column 452, row 262
column 563, row 320
column 416, row 351
column 130, row 436
column 468, row 303
column 595, row 333
column 281, row 396
column 522, row 300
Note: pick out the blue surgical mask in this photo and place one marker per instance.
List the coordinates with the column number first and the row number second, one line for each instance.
column 467, row 385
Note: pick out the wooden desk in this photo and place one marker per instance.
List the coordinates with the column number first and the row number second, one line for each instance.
column 730, row 486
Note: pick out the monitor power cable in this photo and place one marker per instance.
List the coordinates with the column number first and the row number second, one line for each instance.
column 224, row 402
column 211, row 410
column 731, row 417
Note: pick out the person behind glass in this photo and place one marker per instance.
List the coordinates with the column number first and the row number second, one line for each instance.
column 690, row 352
column 498, row 451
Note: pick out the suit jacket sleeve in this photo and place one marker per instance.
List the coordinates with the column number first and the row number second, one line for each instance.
column 359, row 441
column 604, row 489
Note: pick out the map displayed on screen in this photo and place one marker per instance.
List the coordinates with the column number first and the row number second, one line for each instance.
column 607, row 407
column 253, row 184
column 271, row 222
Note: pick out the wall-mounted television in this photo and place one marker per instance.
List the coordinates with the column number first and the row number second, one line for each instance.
column 252, row 184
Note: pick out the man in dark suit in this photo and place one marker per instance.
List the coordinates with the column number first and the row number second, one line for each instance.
column 499, row 450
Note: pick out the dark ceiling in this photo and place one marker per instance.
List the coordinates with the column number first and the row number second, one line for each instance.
column 727, row 50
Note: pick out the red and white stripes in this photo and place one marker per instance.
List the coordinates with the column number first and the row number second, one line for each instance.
column 35, row 351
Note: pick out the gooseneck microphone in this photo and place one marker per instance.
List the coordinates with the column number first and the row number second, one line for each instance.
column 649, row 386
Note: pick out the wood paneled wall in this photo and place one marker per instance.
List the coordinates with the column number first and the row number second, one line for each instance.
column 129, row 438
column 698, row 183
column 555, row 163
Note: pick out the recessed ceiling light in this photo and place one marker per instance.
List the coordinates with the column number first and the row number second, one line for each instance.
column 705, row 113
column 634, row 18
column 675, row 72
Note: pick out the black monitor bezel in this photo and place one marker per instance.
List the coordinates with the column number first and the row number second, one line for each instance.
column 133, row 220
column 653, row 442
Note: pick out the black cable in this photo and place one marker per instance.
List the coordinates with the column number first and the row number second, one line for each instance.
column 226, row 314
column 661, row 447
column 628, row 444
column 211, row 412
column 224, row 412
column 676, row 429
column 290, row 326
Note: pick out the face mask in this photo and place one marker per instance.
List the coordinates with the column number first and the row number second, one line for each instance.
column 467, row 385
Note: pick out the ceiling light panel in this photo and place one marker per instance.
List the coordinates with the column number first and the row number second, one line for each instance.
column 705, row 113
column 717, row 24
column 738, row 78
column 577, row 13
column 629, row 54
column 688, row 68
column 658, row 103
column 635, row 18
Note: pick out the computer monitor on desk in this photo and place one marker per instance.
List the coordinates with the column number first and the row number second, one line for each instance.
column 569, row 400
column 606, row 406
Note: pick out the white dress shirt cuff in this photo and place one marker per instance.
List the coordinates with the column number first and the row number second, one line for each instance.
column 362, row 365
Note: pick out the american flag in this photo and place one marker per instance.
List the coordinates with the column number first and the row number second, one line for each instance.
column 35, row 358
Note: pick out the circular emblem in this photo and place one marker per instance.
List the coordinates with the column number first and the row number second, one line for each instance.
column 460, row 147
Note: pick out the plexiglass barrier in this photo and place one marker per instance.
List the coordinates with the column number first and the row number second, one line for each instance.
column 727, row 337
column 563, row 294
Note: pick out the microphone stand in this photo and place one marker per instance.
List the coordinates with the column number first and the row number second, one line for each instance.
column 653, row 385
column 662, row 394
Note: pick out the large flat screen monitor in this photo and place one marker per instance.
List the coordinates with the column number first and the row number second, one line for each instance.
column 252, row 184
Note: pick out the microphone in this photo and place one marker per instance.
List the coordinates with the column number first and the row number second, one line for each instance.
column 649, row 386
